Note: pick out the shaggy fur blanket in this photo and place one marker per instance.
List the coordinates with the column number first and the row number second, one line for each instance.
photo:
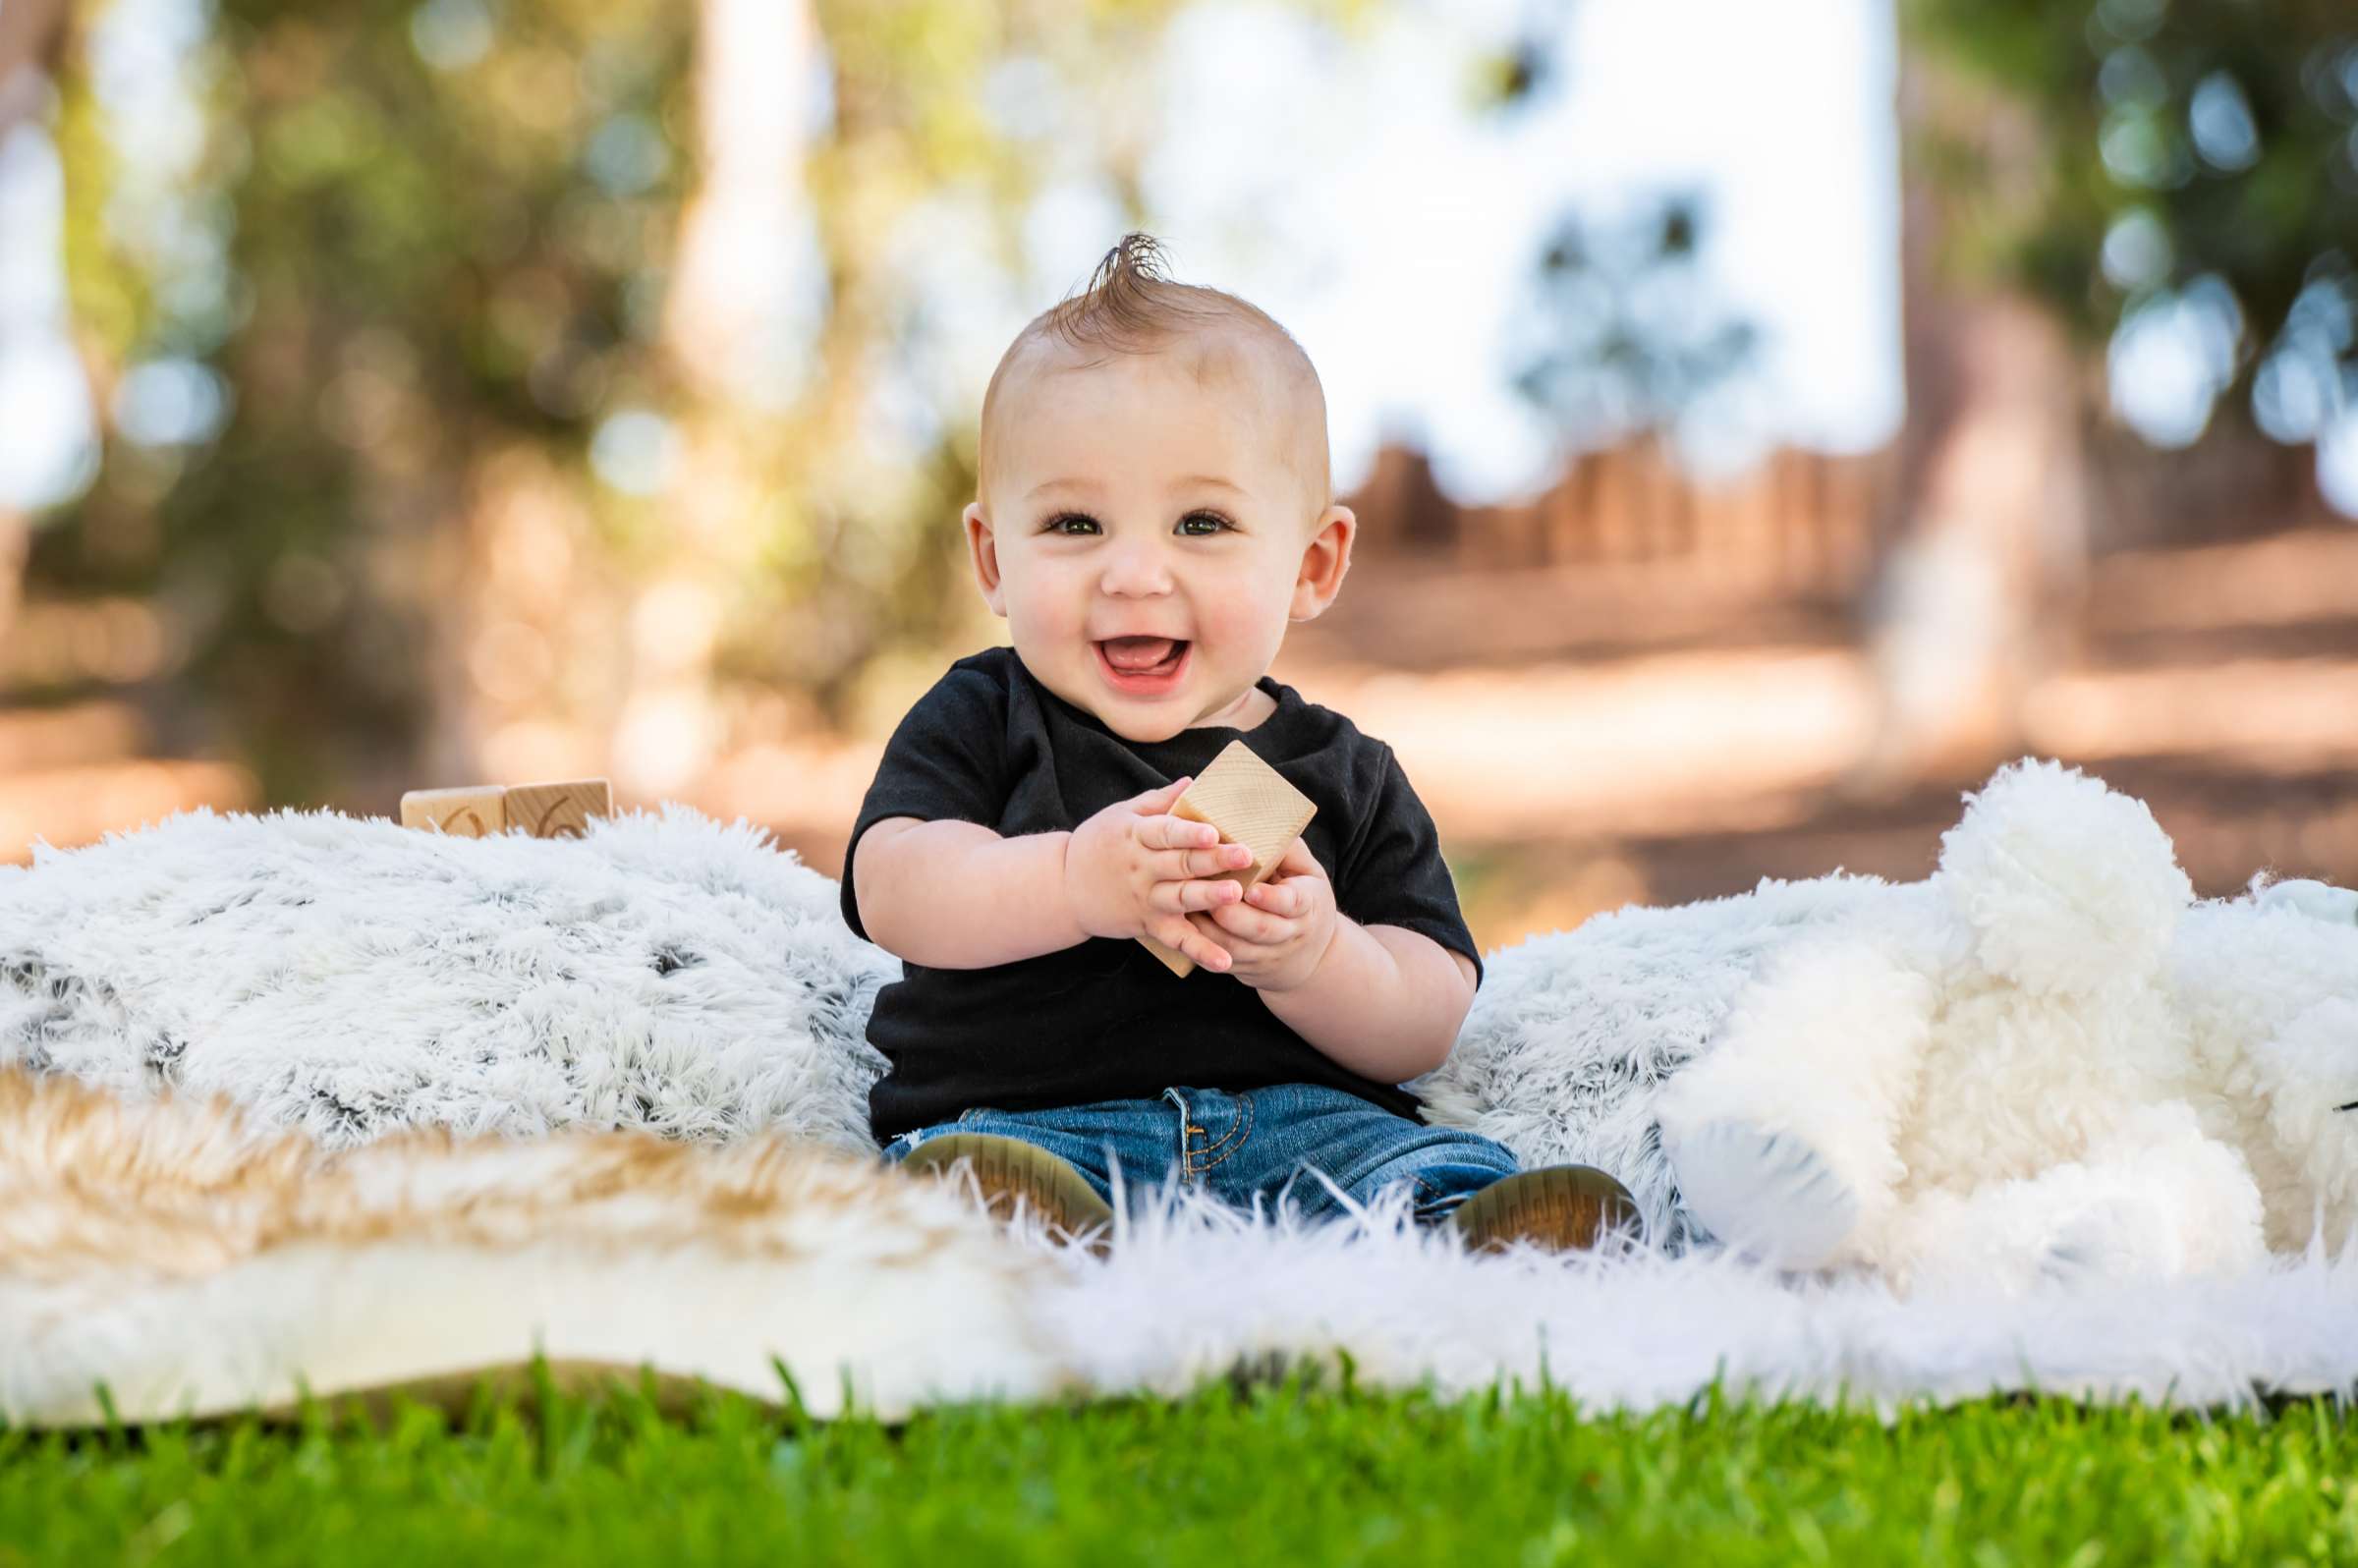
column 351, row 979
column 188, row 1263
column 403, row 1005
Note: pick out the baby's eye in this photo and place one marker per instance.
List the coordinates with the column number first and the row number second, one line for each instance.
column 1057, row 523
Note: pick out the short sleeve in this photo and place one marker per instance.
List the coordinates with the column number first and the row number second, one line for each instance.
column 945, row 762
column 1395, row 874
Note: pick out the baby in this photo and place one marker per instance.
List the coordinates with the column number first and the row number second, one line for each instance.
column 1153, row 509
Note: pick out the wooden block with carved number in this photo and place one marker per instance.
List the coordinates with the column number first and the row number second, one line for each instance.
column 471, row 810
column 560, row 810
column 1251, row 804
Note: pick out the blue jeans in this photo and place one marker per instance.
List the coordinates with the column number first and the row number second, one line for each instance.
column 1251, row 1144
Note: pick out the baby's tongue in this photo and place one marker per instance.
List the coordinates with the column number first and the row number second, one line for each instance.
column 1138, row 652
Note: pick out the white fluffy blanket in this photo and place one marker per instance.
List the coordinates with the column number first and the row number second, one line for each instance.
column 352, row 980
column 354, row 977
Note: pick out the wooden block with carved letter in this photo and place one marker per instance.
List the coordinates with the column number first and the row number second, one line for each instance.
column 1251, row 804
column 560, row 810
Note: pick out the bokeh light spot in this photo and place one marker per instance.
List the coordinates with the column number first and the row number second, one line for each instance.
column 170, row 403
column 451, row 35
column 635, row 451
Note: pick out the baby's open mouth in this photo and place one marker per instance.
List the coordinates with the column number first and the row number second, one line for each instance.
column 1143, row 656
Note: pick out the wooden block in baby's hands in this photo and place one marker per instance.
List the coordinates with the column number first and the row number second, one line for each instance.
column 1251, row 804
column 560, row 810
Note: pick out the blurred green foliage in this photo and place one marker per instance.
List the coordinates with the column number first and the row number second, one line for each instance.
column 407, row 242
column 2109, row 157
column 418, row 264
column 416, row 239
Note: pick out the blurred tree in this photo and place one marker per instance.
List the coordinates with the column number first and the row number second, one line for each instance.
column 1986, row 541
column 2130, row 175
column 30, row 35
column 1627, row 338
column 2197, row 158
column 1627, row 342
column 533, row 384
column 408, row 250
column 2079, row 178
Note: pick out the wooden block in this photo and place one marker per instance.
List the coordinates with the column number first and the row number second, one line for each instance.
column 473, row 810
column 1251, row 804
column 560, row 810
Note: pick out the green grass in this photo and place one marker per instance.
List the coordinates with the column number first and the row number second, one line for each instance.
column 1279, row 1471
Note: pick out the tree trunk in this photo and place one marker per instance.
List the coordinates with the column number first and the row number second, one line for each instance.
column 16, row 544
column 1978, row 595
column 29, row 32
column 30, row 35
column 727, row 322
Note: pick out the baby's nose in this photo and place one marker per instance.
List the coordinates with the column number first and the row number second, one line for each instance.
column 1138, row 569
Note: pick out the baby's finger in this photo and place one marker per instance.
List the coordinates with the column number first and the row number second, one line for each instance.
column 1171, row 864
column 1175, row 832
column 1199, row 893
column 1244, row 951
column 1276, row 899
column 1212, row 955
column 1265, row 930
column 1182, row 935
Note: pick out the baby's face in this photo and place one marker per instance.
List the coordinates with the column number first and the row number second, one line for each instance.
column 1136, row 498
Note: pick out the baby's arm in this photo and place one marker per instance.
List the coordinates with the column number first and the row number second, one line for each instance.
column 1385, row 1002
column 1387, row 999
column 955, row 895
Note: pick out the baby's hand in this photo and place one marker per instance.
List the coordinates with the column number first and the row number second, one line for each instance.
column 1284, row 924
column 1134, row 869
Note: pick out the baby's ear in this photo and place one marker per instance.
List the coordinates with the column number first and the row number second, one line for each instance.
column 1325, row 561
column 982, row 549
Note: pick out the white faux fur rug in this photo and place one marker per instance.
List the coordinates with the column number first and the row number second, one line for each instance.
column 191, row 1262
column 1195, row 1292
column 355, row 978
column 359, row 984
column 192, row 1267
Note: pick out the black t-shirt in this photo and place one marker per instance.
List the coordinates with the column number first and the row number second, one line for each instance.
column 1104, row 1018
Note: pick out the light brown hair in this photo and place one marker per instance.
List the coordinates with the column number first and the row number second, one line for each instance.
column 1132, row 305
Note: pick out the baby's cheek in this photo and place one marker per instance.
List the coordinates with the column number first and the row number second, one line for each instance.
column 1239, row 617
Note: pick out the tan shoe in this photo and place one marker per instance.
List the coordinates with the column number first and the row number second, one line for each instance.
column 1010, row 1171
column 1558, row 1209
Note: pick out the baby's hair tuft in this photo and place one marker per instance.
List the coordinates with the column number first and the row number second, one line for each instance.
column 1131, row 299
